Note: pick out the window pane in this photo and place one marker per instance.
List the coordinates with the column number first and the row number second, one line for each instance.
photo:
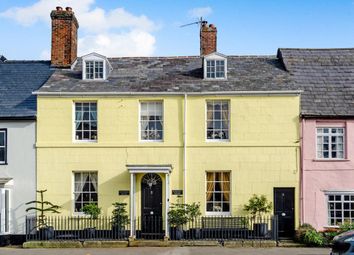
column 226, row 207
column 86, row 121
column 2, row 154
column 85, row 189
column 330, row 143
column 151, row 120
column 217, row 191
column 217, row 120
column 2, row 138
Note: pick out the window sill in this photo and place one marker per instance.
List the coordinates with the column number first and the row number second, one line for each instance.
column 151, row 141
column 84, row 141
column 218, row 140
column 79, row 215
column 329, row 227
column 94, row 80
column 217, row 213
column 330, row 160
column 213, row 79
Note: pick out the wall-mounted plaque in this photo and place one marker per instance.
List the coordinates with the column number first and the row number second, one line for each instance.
column 123, row 193
column 177, row 192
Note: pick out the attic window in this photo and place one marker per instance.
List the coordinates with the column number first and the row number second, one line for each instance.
column 95, row 67
column 215, row 69
column 215, row 66
column 94, row 70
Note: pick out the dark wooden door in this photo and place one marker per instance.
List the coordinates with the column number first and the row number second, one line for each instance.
column 284, row 207
column 151, row 206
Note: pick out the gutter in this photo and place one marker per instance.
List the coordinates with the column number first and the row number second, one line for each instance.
column 275, row 92
column 18, row 118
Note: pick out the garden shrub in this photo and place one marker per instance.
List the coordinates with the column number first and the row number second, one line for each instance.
column 313, row 238
column 346, row 226
column 300, row 233
column 306, row 234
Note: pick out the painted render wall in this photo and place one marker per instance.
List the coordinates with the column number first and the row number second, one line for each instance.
column 21, row 164
column 263, row 151
column 324, row 175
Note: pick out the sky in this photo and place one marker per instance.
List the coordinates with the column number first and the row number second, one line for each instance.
column 152, row 27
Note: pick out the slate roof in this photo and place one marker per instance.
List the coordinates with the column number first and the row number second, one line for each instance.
column 18, row 79
column 175, row 75
column 327, row 78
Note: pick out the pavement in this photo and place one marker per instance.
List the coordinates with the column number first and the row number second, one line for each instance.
column 169, row 251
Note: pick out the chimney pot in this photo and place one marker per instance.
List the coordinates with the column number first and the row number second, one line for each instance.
column 59, row 8
column 69, row 9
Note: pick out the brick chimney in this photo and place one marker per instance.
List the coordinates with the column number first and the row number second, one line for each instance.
column 207, row 38
column 64, row 37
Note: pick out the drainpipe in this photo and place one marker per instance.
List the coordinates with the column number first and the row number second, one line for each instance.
column 302, row 172
column 185, row 150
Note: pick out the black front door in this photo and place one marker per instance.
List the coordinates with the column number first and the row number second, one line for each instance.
column 151, row 206
column 284, row 207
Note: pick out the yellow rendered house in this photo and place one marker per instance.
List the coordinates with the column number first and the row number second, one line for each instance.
column 151, row 131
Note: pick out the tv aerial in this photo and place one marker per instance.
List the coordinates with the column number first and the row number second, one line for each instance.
column 199, row 22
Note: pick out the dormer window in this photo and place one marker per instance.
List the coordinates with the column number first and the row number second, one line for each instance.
column 94, row 70
column 95, row 67
column 215, row 66
column 215, row 69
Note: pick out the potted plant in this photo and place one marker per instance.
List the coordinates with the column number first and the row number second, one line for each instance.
column 258, row 206
column 193, row 212
column 93, row 211
column 177, row 217
column 45, row 232
column 119, row 218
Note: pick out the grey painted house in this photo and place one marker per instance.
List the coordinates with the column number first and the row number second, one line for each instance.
column 17, row 139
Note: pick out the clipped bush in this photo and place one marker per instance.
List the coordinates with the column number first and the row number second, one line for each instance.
column 92, row 210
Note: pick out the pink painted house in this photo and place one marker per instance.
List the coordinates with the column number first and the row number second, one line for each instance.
column 326, row 77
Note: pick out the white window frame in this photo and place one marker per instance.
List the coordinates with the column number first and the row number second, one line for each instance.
column 74, row 123
column 163, row 121
column 98, row 58
column 73, row 190
column 207, row 213
column 342, row 201
column 214, row 57
column 95, row 62
column 3, row 208
column 330, row 135
column 206, row 120
column 4, row 131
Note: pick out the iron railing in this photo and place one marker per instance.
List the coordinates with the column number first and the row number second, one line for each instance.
column 153, row 227
column 76, row 228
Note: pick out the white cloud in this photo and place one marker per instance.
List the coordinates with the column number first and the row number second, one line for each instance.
column 133, row 43
column 113, row 33
column 200, row 12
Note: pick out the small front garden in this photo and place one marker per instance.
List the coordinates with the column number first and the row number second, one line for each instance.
column 308, row 235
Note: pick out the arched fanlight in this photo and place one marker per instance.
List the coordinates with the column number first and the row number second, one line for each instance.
column 151, row 179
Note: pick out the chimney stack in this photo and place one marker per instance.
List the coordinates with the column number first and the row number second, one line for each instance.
column 207, row 38
column 64, row 37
